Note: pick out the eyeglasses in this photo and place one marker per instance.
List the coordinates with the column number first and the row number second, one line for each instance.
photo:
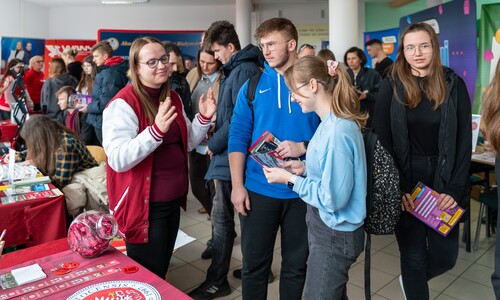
column 40, row 61
column 271, row 46
column 296, row 89
column 424, row 49
column 153, row 62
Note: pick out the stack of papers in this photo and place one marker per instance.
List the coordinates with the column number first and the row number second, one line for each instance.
column 28, row 274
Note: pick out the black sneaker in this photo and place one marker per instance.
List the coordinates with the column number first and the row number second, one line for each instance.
column 210, row 291
column 207, row 254
column 237, row 274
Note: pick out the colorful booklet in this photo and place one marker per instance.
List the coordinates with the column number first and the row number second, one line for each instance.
column 263, row 151
column 74, row 100
column 427, row 210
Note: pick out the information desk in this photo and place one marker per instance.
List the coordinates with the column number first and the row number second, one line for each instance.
column 95, row 278
column 33, row 222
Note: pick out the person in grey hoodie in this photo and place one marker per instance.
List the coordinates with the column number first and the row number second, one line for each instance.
column 57, row 79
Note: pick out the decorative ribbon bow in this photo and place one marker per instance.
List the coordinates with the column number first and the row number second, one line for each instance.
column 332, row 67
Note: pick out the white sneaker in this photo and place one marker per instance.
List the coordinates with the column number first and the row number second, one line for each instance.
column 402, row 286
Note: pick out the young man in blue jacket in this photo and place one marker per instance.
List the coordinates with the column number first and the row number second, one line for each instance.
column 111, row 77
column 264, row 207
column 238, row 65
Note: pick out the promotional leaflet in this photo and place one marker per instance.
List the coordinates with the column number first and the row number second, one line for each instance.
column 427, row 210
column 76, row 100
column 263, row 151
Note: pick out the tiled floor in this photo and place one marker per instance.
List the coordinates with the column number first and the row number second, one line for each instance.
column 469, row 279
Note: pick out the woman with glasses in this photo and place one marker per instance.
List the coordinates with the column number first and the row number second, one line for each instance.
column 423, row 117
column 146, row 136
column 13, row 73
column 365, row 80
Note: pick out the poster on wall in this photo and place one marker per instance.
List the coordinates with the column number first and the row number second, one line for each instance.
column 121, row 40
column 489, row 50
column 313, row 34
column 54, row 48
column 389, row 39
column 455, row 25
column 20, row 48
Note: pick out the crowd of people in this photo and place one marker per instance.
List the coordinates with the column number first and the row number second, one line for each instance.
column 152, row 107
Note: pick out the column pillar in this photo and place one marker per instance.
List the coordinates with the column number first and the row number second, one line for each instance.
column 243, row 21
column 343, row 26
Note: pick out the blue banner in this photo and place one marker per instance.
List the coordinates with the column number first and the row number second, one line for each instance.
column 389, row 39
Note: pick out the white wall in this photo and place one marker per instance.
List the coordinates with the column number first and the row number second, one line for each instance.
column 84, row 22
column 22, row 19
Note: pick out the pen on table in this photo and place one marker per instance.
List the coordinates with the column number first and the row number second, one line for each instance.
column 3, row 234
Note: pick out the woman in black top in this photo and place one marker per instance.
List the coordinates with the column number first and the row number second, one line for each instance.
column 423, row 117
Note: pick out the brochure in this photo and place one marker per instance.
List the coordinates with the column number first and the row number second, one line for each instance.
column 427, row 210
column 74, row 100
column 263, row 151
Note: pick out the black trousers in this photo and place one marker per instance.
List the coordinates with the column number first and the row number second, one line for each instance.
column 164, row 220
column 203, row 191
column 425, row 253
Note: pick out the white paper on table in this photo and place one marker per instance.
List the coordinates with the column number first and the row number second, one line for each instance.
column 28, row 274
column 182, row 239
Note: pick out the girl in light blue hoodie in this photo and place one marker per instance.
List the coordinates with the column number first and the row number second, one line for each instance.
column 333, row 181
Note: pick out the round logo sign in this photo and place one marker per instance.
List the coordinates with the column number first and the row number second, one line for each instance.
column 117, row 290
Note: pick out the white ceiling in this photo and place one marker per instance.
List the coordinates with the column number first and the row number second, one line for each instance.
column 55, row 3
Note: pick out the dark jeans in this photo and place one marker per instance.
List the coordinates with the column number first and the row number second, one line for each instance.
column 327, row 248
column 223, row 233
column 203, row 191
column 495, row 277
column 425, row 253
column 155, row 256
column 258, row 235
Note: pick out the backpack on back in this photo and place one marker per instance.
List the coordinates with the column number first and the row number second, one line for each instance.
column 383, row 196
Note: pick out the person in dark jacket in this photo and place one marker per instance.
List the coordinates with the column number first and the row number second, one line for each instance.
column 74, row 67
column 111, row 77
column 57, row 79
column 423, row 117
column 71, row 117
column 365, row 80
column 178, row 80
column 238, row 66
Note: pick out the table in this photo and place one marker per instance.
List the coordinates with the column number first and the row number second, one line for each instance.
column 33, row 222
column 94, row 278
column 486, row 158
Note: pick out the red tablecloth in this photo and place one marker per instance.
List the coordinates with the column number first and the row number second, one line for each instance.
column 33, row 222
column 95, row 278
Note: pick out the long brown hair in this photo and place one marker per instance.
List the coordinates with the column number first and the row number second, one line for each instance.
column 433, row 85
column 88, row 80
column 43, row 141
column 7, row 73
column 57, row 67
column 149, row 108
column 491, row 110
column 345, row 103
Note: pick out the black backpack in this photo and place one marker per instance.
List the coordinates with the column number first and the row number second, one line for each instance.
column 383, row 197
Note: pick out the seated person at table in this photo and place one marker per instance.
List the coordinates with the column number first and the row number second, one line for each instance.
column 71, row 117
column 55, row 150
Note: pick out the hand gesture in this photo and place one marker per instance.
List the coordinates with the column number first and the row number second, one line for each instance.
column 240, row 199
column 82, row 107
column 166, row 115
column 362, row 96
column 277, row 175
column 207, row 105
column 446, row 201
column 297, row 167
column 291, row 149
column 407, row 204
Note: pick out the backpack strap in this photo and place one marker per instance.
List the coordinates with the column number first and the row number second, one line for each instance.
column 370, row 139
column 252, row 87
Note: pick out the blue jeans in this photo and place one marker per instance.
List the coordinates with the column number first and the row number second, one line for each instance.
column 331, row 254
column 258, row 235
column 223, row 232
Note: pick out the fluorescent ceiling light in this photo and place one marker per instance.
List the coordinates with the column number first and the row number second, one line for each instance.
column 124, row 1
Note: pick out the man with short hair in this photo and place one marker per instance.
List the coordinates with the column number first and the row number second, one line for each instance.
column 178, row 81
column 34, row 80
column 238, row 65
column 380, row 61
column 264, row 208
column 111, row 77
